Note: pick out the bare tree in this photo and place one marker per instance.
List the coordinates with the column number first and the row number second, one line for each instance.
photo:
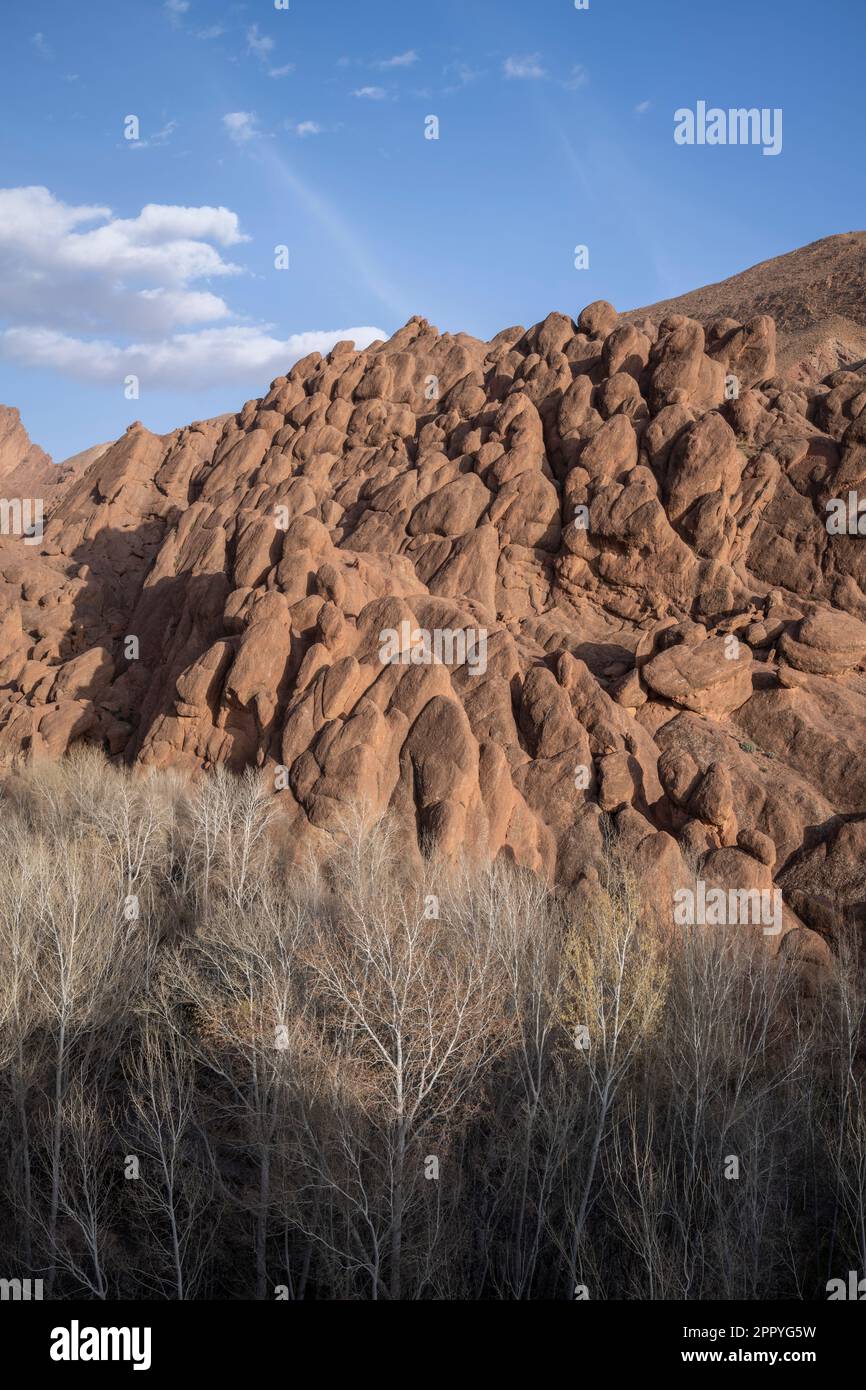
column 86, row 961
column 229, row 818
column 408, row 1013
column 241, row 977
column 614, row 995
column 173, row 1183
column 85, row 1195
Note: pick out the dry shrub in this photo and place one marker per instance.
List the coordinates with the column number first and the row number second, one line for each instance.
column 374, row 1078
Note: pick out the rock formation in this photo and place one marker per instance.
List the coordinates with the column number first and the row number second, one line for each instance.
column 24, row 467
column 27, row 471
column 523, row 593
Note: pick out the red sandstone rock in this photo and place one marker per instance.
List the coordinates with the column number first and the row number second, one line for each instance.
column 572, row 583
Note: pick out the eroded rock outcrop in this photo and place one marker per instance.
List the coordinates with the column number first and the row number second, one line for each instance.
column 521, row 593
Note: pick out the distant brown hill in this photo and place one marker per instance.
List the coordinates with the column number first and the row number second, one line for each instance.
column 79, row 463
column 816, row 294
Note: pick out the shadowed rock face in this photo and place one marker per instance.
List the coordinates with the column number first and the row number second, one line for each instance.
column 512, row 591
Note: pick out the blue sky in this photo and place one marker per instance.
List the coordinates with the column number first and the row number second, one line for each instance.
column 305, row 128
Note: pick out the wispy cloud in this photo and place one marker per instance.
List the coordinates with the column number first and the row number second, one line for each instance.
column 370, row 93
column 261, row 45
column 332, row 224
column 159, row 137
column 304, row 128
column 578, row 77
column 212, row 31
column 642, row 107
column 176, row 9
column 42, row 47
column 462, row 74
column 527, row 68
column 400, row 60
column 242, row 126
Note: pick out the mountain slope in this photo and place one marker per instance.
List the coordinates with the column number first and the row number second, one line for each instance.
column 816, row 294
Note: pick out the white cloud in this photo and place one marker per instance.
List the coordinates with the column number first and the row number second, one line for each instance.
column 400, row 60
column 462, row 73
column 98, row 297
column 259, row 44
column 528, row 67
column 308, row 128
column 371, row 93
column 42, row 47
column 262, row 46
column 176, row 9
column 129, row 275
column 242, row 126
column 185, row 361
column 159, row 137
column 30, row 215
column 578, row 77
column 159, row 221
column 213, row 31
column 642, row 107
